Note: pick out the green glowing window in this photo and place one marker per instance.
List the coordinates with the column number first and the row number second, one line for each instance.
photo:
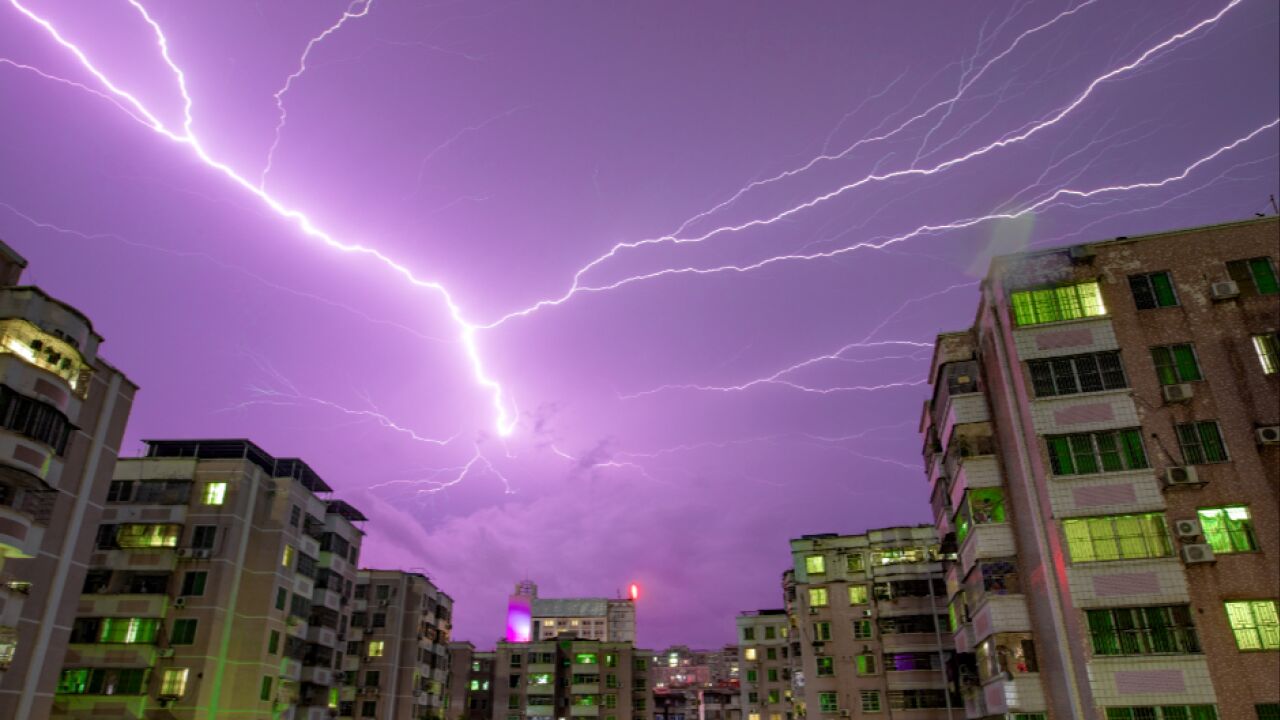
column 854, row 563
column 138, row 536
column 1201, row 443
column 103, row 681
column 857, row 594
column 184, row 632
column 1066, row 302
column 193, row 582
column 585, row 658
column 611, row 660
column 1176, row 364
column 815, row 564
column 475, row 684
column 264, row 692
column 173, row 684
column 1268, row 348
column 826, row 666
column 1117, row 537
column 74, row 681
column 862, row 630
column 1228, row 529
column 866, row 664
column 539, row 679
column 1153, row 290
column 1089, row 453
column 334, row 696
column 774, row 697
column 1255, row 623
column 129, row 631
column 751, row 676
column 215, row 493
column 827, row 702
column 1163, row 712
column 817, row 597
column 1255, row 276
column 583, row 700
column 821, row 631
column 475, row 666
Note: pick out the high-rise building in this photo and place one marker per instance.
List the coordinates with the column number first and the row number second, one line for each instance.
column 571, row 677
column 764, row 665
column 530, row 617
column 63, row 411
column 869, row 625
column 400, row 631
column 1103, row 447
column 217, row 586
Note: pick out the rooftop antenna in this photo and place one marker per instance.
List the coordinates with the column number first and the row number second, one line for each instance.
column 1274, row 208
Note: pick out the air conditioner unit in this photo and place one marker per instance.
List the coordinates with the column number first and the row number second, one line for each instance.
column 383, row 603
column 165, row 652
column 1224, row 290
column 866, row 613
column 1269, row 435
column 1181, row 476
column 180, row 602
column 181, row 552
column 1200, row 553
column 201, row 554
column 813, row 611
column 1188, row 528
column 1177, row 393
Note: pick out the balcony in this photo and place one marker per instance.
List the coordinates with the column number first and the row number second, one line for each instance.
column 124, row 605
column 56, row 351
column 990, row 540
column 316, row 675
column 584, row 711
column 1014, row 694
column 16, row 537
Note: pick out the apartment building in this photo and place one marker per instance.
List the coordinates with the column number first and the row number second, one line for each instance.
column 571, row 677
column 204, row 595
column 63, row 411
column 397, row 661
column 470, row 680
column 764, row 675
column 869, row 625
column 1103, row 447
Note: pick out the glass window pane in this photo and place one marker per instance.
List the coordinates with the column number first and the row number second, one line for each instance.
column 1184, row 358
column 1162, row 287
column 1264, row 276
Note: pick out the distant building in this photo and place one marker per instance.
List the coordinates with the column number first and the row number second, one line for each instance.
column 764, row 676
column 532, row 618
column 470, row 683
column 1103, row 449
column 869, row 625
column 571, row 678
column 63, row 411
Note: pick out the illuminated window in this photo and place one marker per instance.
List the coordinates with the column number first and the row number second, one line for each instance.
column 1228, row 529
column 828, row 703
column 585, row 658
column 1089, row 453
column 870, row 701
column 540, row 679
column 753, row 716
column 1256, row 276
column 749, row 653
column 857, row 594
column 103, row 681
column 286, row 558
column 215, row 493
column 826, row 666
column 1066, row 302
column 1268, row 348
column 128, row 631
column 139, row 536
column 173, row 684
column 1117, row 537
column 47, row 352
column 821, row 631
column 1201, row 443
column 817, row 597
column 1153, row 290
column 815, row 564
column 774, row 697
column 854, row 563
column 898, row 556
column 1176, row 364
column 866, row 664
column 335, row 694
column 1255, row 624
column 980, row 506
column 375, row 648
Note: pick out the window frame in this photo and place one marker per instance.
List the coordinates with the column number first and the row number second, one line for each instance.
column 1228, row 540
column 1194, row 444
column 1149, row 287
column 1154, row 537
column 1267, row 640
column 1124, row 443
column 1050, row 376
column 1170, row 370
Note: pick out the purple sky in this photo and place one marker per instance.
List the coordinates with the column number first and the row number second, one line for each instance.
column 499, row 148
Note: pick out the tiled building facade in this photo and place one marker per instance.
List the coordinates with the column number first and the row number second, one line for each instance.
column 764, row 664
column 571, row 678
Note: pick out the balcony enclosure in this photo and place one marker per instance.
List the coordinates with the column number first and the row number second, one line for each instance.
column 1006, row 655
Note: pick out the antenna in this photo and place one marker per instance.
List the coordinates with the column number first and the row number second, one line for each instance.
column 1274, row 208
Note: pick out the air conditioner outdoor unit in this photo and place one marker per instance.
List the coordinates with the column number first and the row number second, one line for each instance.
column 181, row 552
column 1177, row 393
column 813, row 611
column 1200, row 553
column 1188, row 528
column 1181, row 476
column 1269, row 435
column 180, row 602
column 165, row 652
column 1224, row 290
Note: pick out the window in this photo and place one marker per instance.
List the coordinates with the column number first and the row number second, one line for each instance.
column 817, row 597
column 120, row 491
column 1163, row 712
column 103, row 681
column 899, row 556
column 376, row 647
column 106, row 538
column 1268, row 711
column 771, row 653
column 857, row 594
column 1088, row 453
column 202, row 536
column 193, row 583
column 128, row 631
column 866, row 664
column 273, row 642
column 826, row 666
column 372, row 678
column 1117, row 537
column 753, row 697
column 821, row 631
column 184, row 632
column 1077, row 374
column 854, row 563
column 774, row 697
column 286, row 557
column 748, row 633
column 173, row 684
column 1201, row 443
column 282, row 597
column 369, row 708
column 1255, row 276
column 585, row 659
column 770, row 632
column 980, row 506
column 137, row 536
column 1153, row 290
column 1056, row 304
column 1255, row 624
column 870, row 700
column 1228, row 529
column 34, row 419
column 1176, row 364
column 295, row 516
column 752, row 676
column 827, row 702
column 215, row 493
column 862, row 630
column 815, row 564
column 1143, row 630
column 749, row 654
column 917, row 699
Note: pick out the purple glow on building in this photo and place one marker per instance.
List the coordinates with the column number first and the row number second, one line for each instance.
column 519, row 619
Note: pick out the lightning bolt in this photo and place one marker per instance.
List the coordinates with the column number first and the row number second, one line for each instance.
column 506, row 414
column 350, row 13
column 431, row 486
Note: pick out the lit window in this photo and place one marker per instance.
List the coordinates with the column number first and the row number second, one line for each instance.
column 215, row 493
column 1067, row 302
column 870, row 701
column 1255, row 624
column 815, row 565
column 286, row 558
column 1088, row 453
column 375, row 648
column 173, row 684
column 753, row 716
column 1201, row 443
column 1268, row 348
column 129, row 631
column 1154, row 290
column 817, row 597
column 1176, row 364
column 139, row 536
column 857, row 594
column 821, row 631
column 866, row 664
column 854, row 563
column 1228, row 529
column 749, row 653
column 585, row 658
column 540, row 679
column 827, row 702
column 1255, row 276
column 1117, row 537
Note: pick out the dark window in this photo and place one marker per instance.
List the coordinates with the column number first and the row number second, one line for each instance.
column 1077, row 374
column 372, row 678
column 282, row 597
column 300, row 606
column 1163, row 712
column 362, row 592
column 1255, row 276
column 1268, row 711
column 1201, row 443
column 383, row 592
column 273, row 642
column 37, row 420
column 193, row 583
column 1176, row 364
column 96, row 581
column 106, row 537
column 120, row 491
column 202, row 536
column 1143, row 630
column 379, row 619
column 1153, row 290
column 295, row 516
column 265, row 692
column 917, row 699
column 184, row 632
column 369, row 708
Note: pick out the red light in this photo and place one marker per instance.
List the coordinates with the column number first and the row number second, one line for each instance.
column 635, row 592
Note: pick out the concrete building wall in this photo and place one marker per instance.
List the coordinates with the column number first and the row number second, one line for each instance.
column 764, row 664
column 571, row 677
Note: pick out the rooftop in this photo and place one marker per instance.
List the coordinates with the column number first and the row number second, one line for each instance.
column 239, row 449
